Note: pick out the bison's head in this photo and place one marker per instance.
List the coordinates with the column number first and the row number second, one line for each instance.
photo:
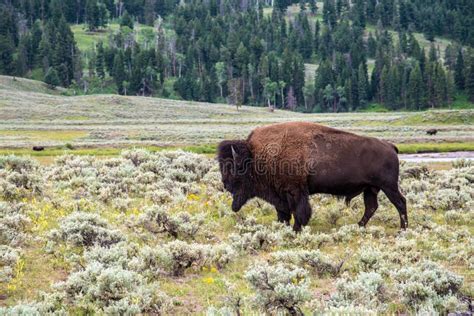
column 235, row 162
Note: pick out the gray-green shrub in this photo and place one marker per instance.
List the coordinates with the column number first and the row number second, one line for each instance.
column 85, row 229
column 279, row 288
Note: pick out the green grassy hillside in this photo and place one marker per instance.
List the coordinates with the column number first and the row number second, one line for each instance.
column 87, row 40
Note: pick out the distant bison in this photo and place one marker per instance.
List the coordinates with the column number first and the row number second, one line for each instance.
column 432, row 131
column 285, row 163
column 38, row 148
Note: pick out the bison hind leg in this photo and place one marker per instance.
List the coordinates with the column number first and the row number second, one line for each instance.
column 371, row 204
column 397, row 199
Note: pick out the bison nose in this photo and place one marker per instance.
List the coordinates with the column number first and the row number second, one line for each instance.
column 235, row 207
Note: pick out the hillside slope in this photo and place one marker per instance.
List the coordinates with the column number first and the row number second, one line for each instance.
column 35, row 116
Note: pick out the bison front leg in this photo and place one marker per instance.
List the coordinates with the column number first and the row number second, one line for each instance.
column 283, row 210
column 284, row 216
column 303, row 211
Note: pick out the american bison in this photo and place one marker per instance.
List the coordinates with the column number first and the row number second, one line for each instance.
column 285, row 163
column 38, row 148
column 432, row 131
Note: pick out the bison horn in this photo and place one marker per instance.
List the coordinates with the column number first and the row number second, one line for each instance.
column 234, row 154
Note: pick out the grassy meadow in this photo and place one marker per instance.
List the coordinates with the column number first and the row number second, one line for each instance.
column 102, row 124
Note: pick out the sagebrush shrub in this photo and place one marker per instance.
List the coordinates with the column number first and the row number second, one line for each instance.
column 346, row 233
column 252, row 236
column 369, row 259
column 417, row 172
column 344, row 310
column 426, row 281
column 113, row 290
column 19, row 178
column 178, row 256
column 163, row 176
column 220, row 255
column 85, row 229
column 279, row 288
column 8, row 260
column 334, row 212
column 366, row 289
column 311, row 259
column 462, row 163
column 308, row 240
column 13, row 224
column 120, row 254
column 183, row 224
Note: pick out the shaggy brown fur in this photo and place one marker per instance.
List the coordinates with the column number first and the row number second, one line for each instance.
column 285, row 163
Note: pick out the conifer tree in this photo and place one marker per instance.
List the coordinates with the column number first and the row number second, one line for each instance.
column 342, row 7
column 362, row 85
column 313, row 7
column 371, row 46
column 63, row 74
column 403, row 14
column 416, row 89
column 359, row 13
column 64, row 49
column 92, row 15
column 433, row 56
column 281, row 4
column 459, row 77
column 126, row 20
column 329, row 13
column 439, row 86
column 450, row 88
column 316, row 37
column 370, row 10
column 470, row 77
column 21, row 64
column 100, row 61
column 354, row 90
column 52, row 78
column 7, row 49
column 119, row 72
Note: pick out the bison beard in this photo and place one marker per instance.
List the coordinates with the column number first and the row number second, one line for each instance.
column 285, row 163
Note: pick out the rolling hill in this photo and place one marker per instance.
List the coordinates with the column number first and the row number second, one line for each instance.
column 32, row 114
